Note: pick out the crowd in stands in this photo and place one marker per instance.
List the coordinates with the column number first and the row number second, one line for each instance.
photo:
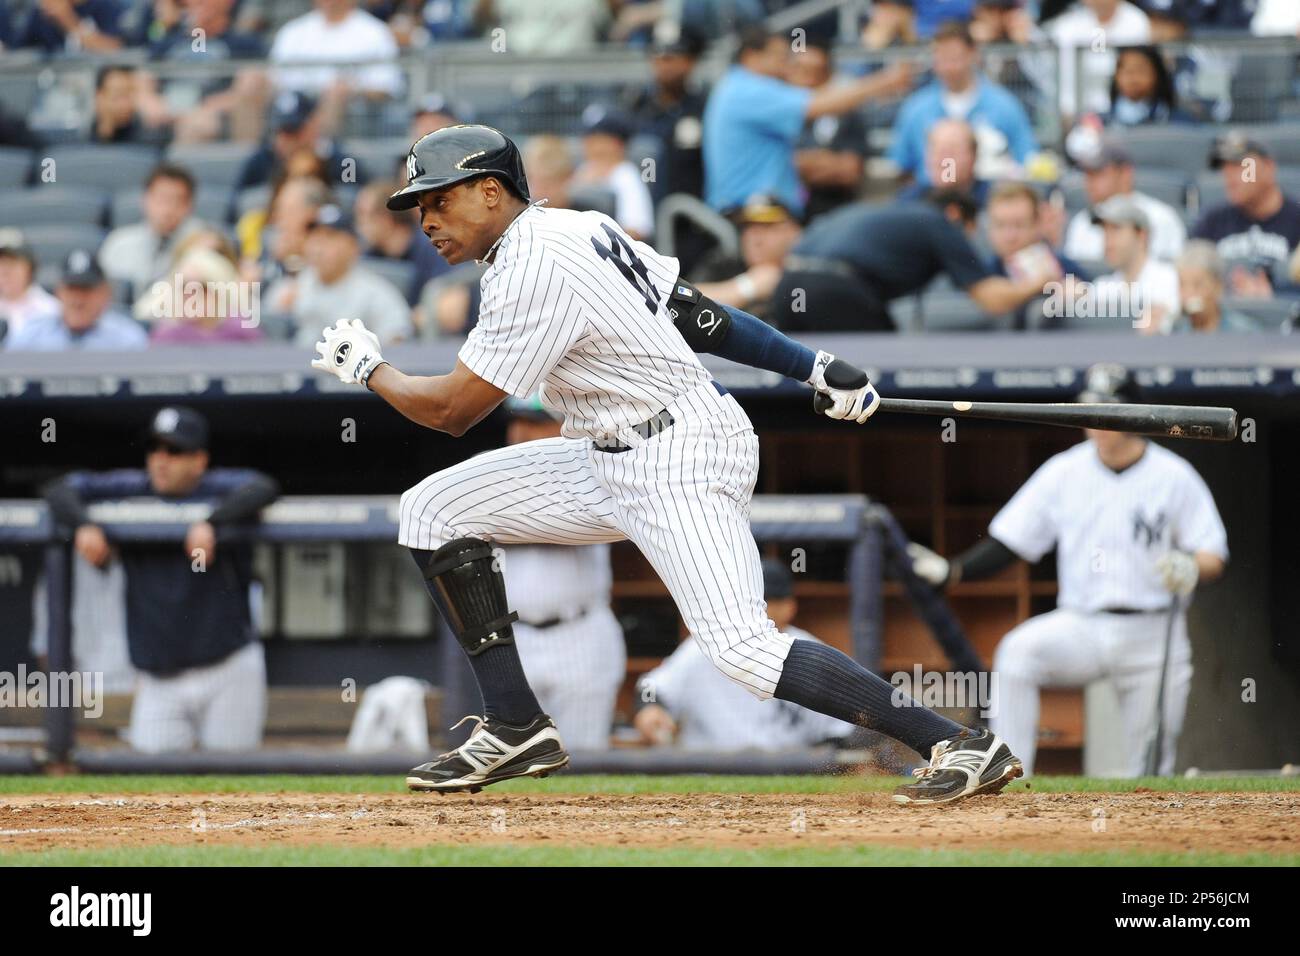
column 203, row 208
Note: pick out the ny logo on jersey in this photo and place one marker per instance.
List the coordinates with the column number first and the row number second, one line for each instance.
column 1149, row 534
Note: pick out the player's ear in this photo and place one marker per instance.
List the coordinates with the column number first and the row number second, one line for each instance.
column 491, row 190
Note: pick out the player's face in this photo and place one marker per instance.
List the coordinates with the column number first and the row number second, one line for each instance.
column 461, row 220
column 1109, row 444
column 174, row 472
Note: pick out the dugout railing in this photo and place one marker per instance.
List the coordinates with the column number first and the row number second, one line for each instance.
column 845, row 520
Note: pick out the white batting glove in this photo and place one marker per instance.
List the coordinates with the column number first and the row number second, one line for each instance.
column 1179, row 572
column 928, row 565
column 843, row 391
column 348, row 350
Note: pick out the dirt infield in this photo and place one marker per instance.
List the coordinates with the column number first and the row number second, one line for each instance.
column 1223, row 822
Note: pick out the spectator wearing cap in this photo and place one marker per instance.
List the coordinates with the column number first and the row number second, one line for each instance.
column 332, row 286
column 1142, row 91
column 336, row 32
column 1145, row 286
column 395, row 234
column 768, row 231
column 1109, row 172
column 296, row 126
column 951, row 148
column 832, row 150
column 687, row 702
column 86, row 318
column 73, row 26
column 1086, row 34
column 570, row 643
column 1004, row 137
column 671, row 110
column 1200, row 290
column 115, row 115
column 22, row 300
column 605, row 165
column 1018, row 231
column 140, row 252
column 851, row 263
column 1258, row 228
column 754, row 118
column 189, row 628
column 907, row 21
column 212, row 307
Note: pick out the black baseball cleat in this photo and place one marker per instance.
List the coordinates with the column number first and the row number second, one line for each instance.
column 975, row 761
column 496, row 751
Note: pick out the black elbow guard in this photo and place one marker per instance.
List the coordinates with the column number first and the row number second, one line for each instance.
column 702, row 322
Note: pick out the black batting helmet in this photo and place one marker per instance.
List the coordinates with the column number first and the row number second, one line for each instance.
column 1108, row 382
column 456, row 154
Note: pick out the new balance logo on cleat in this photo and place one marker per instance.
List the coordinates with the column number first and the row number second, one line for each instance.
column 495, row 751
column 974, row 762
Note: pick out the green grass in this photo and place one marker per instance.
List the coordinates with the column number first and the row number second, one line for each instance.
column 595, row 783
column 616, row 856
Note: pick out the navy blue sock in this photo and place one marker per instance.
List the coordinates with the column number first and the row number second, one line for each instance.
column 500, row 675
column 830, row 682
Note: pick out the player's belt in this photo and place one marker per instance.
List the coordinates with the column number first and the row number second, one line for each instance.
column 1133, row 610
column 647, row 430
column 556, row 621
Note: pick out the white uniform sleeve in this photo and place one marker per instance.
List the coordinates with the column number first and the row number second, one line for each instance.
column 528, row 319
column 1026, row 524
column 1198, row 527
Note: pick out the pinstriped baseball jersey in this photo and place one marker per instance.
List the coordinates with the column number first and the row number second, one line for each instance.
column 573, row 305
column 1109, row 529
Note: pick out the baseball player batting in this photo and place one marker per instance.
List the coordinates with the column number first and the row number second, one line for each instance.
column 652, row 450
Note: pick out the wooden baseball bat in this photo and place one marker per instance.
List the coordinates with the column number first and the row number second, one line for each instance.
column 1168, row 421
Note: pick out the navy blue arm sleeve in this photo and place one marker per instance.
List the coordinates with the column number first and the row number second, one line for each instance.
column 751, row 341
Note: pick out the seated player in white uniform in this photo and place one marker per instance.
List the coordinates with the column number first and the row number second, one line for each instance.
column 687, row 701
column 1135, row 531
column 570, row 642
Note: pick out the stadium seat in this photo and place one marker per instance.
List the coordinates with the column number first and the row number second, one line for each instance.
column 1167, row 185
column 1170, row 147
column 378, row 158
column 399, row 273
column 255, row 197
column 15, row 167
column 18, row 91
column 1271, row 314
column 956, row 312
column 51, row 244
column 104, row 167
column 212, row 164
column 1283, row 140
column 52, row 205
column 1259, row 83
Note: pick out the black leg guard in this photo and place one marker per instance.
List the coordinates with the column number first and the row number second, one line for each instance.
column 471, row 594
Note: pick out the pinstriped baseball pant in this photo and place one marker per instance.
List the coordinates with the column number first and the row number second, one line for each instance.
column 681, row 496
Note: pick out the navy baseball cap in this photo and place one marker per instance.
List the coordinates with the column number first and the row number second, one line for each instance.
column 178, row 427
column 778, row 582
column 332, row 216
column 612, row 122
column 81, row 270
column 1234, row 146
column 290, row 110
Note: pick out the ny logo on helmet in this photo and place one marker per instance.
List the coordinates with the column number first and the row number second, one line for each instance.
column 412, row 168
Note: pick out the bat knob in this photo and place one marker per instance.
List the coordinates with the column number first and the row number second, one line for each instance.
column 821, row 402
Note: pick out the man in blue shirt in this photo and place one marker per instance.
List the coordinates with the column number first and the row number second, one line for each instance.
column 86, row 319
column 188, row 621
column 754, row 119
column 960, row 92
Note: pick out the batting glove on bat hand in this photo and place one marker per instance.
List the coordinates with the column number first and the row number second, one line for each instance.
column 842, row 391
column 928, row 566
column 1179, row 572
column 348, row 350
